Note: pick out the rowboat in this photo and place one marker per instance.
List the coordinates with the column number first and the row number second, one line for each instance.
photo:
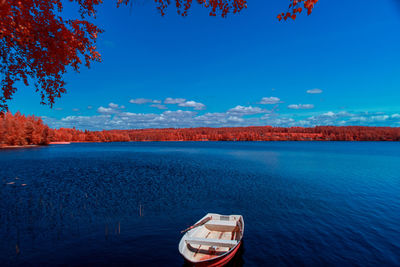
column 213, row 240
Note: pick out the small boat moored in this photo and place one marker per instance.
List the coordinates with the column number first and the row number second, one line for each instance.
column 213, row 240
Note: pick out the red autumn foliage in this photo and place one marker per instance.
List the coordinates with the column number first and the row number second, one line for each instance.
column 37, row 45
column 18, row 130
column 220, row 7
column 296, row 6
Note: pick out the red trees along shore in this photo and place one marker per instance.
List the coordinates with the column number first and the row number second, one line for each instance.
column 20, row 130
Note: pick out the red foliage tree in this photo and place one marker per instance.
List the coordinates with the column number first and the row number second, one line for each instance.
column 19, row 130
column 296, row 7
column 37, row 45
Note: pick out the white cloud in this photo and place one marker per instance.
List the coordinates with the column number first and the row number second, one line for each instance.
column 242, row 110
column 314, row 91
column 301, row 106
column 103, row 110
column 182, row 102
column 166, row 119
column 159, row 106
column 329, row 114
column 224, row 119
column 75, row 109
column 277, row 120
column 179, row 113
column 111, row 109
column 89, row 107
column 345, row 118
column 81, row 122
column 192, row 104
column 327, row 118
column 396, row 116
column 112, row 105
column 211, row 119
column 358, row 119
column 380, row 118
column 235, row 119
column 270, row 100
column 140, row 101
column 170, row 100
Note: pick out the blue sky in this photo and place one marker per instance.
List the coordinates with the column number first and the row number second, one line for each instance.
column 247, row 69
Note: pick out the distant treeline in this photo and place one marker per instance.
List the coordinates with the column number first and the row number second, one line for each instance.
column 18, row 130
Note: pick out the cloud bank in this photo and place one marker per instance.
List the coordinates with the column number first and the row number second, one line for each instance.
column 191, row 113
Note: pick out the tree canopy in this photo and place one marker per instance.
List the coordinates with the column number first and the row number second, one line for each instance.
column 38, row 46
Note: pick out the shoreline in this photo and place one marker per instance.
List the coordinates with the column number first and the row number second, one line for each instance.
column 13, row 147
column 29, row 146
column 166, row 141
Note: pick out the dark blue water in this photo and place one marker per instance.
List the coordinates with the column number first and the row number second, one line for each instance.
column 304, row 203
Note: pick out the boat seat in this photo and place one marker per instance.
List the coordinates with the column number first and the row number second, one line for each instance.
column 221, row 226
column 211, row 242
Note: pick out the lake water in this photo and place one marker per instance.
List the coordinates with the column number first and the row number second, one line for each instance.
column 304, row 203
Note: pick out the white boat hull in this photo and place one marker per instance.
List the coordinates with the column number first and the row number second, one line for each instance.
column 215, row 242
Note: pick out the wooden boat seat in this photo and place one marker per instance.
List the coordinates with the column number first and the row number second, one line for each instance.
column 221, row 226
column 211, row 242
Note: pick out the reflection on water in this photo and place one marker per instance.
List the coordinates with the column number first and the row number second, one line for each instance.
column 125, row 204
